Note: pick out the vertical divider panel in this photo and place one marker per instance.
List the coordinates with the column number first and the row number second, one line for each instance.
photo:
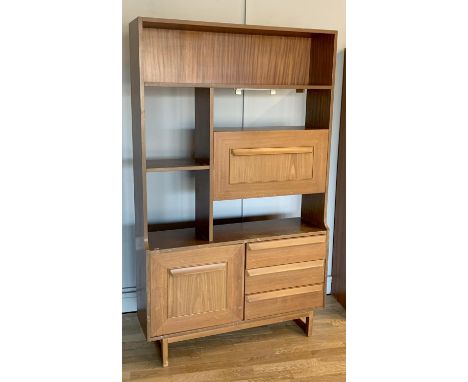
column 322, row 59
column 138, row 133
column 319, row 112
column 313, row 210
column 318, row 116
column 204, row 101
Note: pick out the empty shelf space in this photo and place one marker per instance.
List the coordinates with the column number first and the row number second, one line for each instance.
column 264, row 229
column 234, row 233
column 236, row 86
column 185, row 164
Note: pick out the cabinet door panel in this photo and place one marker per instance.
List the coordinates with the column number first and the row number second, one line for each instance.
column 196, row 288
column 250, row 164
column 203, row 289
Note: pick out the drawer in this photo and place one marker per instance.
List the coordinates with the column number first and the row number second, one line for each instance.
column 286, row 251
column 283, row 301
column 284, row 276
column 250, row 164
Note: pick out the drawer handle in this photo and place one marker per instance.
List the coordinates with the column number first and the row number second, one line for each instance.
column 285, row 268
column 272, row 151
column 198, row 269
column 284, row 293
column 287, row 242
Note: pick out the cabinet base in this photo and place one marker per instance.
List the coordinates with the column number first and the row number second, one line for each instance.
column 302, row 319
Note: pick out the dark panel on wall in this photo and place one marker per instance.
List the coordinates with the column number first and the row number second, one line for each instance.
column 339, row 243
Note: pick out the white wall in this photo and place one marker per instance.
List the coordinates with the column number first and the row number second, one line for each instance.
column 170, row 115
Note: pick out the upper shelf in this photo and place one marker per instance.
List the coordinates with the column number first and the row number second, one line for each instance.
column 236, row 86
column 202, row 26
column 191, row 53
column 185, row 164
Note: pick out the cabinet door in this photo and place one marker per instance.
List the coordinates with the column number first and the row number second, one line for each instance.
column 249, row 164
column 196, row 288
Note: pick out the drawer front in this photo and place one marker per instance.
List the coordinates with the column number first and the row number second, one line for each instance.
column 284, row 276
column 249, row 164
column 282, row 301
column 278, row 252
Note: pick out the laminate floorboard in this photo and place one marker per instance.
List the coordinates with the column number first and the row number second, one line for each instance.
column 278, row 352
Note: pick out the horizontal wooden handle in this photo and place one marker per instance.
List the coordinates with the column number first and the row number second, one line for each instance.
column 285, row 268
column 272, row 151
column 284, row 293
column 198, row 269
column 286, row 242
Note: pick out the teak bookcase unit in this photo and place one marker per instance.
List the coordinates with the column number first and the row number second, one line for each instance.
column 215, row 278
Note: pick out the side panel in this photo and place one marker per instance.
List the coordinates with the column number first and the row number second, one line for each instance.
column 139, row 173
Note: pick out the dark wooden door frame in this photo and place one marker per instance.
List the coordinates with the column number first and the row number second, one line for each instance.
column 339, row 235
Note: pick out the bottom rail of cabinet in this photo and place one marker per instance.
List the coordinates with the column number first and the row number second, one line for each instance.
column 303, row 319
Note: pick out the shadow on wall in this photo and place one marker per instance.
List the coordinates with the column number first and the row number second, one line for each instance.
column 128, row 256
column 190, row 224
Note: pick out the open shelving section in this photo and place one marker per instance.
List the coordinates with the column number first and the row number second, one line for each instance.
column 233, row 233
column 230, row 164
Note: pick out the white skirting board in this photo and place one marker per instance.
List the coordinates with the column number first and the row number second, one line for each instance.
column 329, row 281
column 129, row 303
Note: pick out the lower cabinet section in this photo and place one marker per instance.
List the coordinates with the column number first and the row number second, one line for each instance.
column 210, row 286
column 196, row 288
column 282, row 301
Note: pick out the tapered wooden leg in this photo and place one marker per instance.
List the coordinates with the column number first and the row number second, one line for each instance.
column 307, row 325
column 165, row 352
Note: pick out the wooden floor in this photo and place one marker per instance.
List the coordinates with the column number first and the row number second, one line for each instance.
column 279, row 352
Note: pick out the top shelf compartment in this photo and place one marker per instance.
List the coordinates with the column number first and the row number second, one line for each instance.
column 197, row 54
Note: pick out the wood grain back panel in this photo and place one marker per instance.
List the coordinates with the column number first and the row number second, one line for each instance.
column 184, row 56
